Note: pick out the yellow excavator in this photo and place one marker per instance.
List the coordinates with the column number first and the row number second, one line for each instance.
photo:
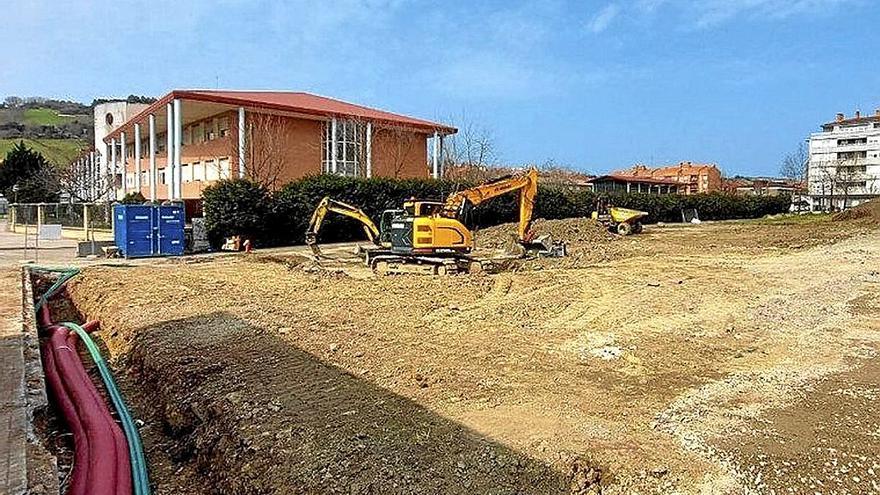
column 430, row 236
column 331, row 205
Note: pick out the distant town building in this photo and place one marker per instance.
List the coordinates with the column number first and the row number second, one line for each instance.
column 844, row 161
column 188, row 139
column 692, row 177
column 633, row 184
column 761, row 186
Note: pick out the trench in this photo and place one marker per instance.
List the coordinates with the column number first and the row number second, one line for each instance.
column 299, row 425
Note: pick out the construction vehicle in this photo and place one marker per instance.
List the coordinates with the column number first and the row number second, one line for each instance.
column 327, row 205
column 621, row 220
column 429, row 236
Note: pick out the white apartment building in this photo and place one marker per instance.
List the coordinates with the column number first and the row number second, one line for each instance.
column 844, row 166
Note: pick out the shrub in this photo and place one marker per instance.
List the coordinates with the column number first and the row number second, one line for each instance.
column 237, row 207
column 244, row 208
column 134, row 198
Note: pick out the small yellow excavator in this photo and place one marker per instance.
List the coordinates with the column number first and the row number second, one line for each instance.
column 327, row 205
column 429, row 236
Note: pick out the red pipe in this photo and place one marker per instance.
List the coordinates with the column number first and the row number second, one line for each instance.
column 92, row 412
column 123, row 466
column 92, row 326
column 79, row 474
column 102, row 465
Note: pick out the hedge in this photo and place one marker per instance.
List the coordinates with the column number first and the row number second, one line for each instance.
column 240, row 207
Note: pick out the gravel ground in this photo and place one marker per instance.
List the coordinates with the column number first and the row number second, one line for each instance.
column 671, row 362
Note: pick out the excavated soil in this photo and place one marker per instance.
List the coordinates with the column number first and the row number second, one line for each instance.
column 692, row 359
column 869, row 211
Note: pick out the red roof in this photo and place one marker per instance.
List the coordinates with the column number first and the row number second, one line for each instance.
column 291, row 101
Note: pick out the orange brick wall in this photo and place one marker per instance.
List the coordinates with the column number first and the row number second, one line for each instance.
column 400, row 153
column 395, row 152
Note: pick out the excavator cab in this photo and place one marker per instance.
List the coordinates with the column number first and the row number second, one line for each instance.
column 421, row 229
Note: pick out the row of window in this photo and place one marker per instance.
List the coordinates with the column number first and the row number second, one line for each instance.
column 200, row 132
column 206, row 171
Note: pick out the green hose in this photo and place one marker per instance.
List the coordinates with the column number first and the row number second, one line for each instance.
column 135, row 448
column 66, row 274
column 140, row 479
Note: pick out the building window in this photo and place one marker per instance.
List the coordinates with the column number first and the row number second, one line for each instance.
column 225, row 170
column 348, row 148
column 199, row 171
column 186, row 172
column 852, row 155
column 212, row 172
column 224, row 127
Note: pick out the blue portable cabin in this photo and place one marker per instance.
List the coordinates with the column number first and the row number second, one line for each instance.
column 148, row 230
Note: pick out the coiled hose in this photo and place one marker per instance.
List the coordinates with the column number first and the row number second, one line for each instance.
column 135, row 474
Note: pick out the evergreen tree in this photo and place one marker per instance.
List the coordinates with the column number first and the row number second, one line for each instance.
column 36, row 179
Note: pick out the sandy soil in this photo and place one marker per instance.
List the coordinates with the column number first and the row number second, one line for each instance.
column 720, row 358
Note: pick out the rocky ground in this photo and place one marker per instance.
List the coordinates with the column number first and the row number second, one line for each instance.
column 719, row 358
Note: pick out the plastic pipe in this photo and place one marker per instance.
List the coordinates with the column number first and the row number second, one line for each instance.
column 102, row 478
column 79, row 473
column 135, row 447
column 127, row 474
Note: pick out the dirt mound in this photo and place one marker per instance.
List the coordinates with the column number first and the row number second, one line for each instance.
column 575, row 231
column 869, row 210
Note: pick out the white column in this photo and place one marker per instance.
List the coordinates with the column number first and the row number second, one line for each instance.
column 369, row 149
column 113, row 167
column 435, row 156
column 241, row 142
column 169, row 150
column 93, row 177
column 123, row 161
column 442, row 155
column 178, row 143
column 151, row 128
column 333, row 145
column 105, row 165
column 137, row 157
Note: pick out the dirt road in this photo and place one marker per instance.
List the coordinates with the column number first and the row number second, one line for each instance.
column 727, row 358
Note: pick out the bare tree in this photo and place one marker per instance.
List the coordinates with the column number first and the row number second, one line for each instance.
column 266, row 141
column 81, row 181
column 795, row 164
column 472, row 145
column 396, row 145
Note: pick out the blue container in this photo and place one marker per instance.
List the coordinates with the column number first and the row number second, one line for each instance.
column 148, row 230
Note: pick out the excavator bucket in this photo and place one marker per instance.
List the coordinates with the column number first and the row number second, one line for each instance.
column 544, row 245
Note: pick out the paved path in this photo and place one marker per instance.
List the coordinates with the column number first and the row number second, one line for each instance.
column 13, row 399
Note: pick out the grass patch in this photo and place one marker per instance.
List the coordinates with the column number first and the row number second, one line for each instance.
column 46, row 116
column 57, row 151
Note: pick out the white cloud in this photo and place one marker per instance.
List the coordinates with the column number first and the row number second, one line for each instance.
column 710, row 13
column 603, row 18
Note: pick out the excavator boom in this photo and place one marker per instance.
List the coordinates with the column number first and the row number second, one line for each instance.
column 327, row 205
column 526, row 184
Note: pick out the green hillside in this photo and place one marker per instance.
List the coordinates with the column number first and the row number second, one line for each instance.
column 48, row 116
column 57, row 151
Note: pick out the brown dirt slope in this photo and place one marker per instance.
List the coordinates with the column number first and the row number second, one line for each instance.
column 621, row 376
column 869, row 211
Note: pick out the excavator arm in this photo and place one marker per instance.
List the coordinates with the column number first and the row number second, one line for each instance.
column 327, row 205
column 526, row 184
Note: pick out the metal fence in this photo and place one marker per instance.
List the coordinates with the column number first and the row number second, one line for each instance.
column 86, row 216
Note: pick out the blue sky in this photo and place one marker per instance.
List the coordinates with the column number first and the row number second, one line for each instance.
column 596, row 85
